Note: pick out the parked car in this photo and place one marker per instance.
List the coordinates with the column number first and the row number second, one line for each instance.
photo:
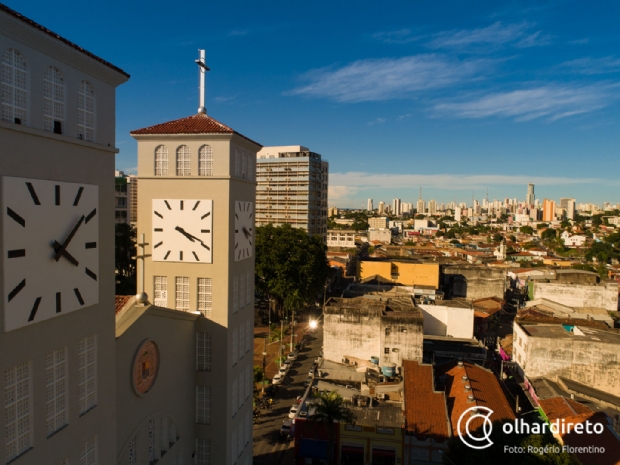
column 293, row 411
column 287, row 362
column 287, row 428
column 292, row 356
column 277, row 379
column 283, row 370
column 311, row 371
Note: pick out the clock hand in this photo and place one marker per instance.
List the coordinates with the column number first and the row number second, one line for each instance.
column 67, row 255
column 246, row 232
column 62, row 248
column 186, row 234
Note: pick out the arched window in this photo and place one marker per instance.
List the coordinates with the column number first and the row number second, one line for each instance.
column 161, row 161
column 205, row 161
column 53, row 101
column 184, row 167
column 14, row 94
column 86, row 112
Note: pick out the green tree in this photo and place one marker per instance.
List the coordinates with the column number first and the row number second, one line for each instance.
column 597, row 220
column 331, row 409
column 526, row 230
column 497, row 237
column 259, row 375
column 124, row 250
column 548, row 234
column 542, row 225
column 291, row 267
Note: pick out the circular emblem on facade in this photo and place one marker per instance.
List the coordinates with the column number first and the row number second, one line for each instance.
column 145, row 367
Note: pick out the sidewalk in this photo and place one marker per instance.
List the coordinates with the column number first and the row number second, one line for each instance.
column 260, row 334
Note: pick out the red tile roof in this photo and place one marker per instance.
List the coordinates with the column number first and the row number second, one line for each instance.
column 425, row 409
column 562, row 407
column 121, row 301
column 36, row 25
column 199, row 123
column 484, row 387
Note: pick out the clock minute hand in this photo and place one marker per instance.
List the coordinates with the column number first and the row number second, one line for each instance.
column 66, row 254
column 185, row 233
column 246, row 232
column 61, row 250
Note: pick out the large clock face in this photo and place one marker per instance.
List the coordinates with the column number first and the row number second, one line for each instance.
column 244, row 230
column 51, row 249
column 182, row 230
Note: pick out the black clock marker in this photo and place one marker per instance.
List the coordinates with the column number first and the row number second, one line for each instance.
column 166, row 256
column 180, row 255
column 205, row 245
column 158, row 244
column 236, row 216
column 17, row 253
column 79, row 296
column 205, row 215
column 78, row 196
column 196, row 256
column 90, row 245
column 158, row 214
column 239, row 255
column 250, row 217
column 58, row 303
column 16, row 217
column 91, row 215
column 35, row 307
column 205, row 231
column 158, row 229
column 91, row 274
column 57, row 194
column 33, row 194
column 17, row 289
column 167, row 205
column 196, row 205
column 236, row 245
column 236, row 231
column 181, row 205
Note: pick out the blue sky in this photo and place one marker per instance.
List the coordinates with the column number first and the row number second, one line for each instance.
column 452, row 96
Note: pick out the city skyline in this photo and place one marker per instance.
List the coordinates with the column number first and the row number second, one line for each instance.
column 452, row 97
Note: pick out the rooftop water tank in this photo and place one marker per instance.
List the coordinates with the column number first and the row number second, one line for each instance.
column 389, row 369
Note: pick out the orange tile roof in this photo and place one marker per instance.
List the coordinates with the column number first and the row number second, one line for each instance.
column 36, row 25
column 607, row 440
column 562, row 407
column 425, row 408
column 199, row 123
column 121, row 301
column 484, row 387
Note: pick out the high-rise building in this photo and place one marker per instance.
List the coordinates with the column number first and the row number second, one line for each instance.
column 126, row 198
column 292, row 188
column 369, row 206
column 381, row 208
column 548, row 210
column 396, row 204
column 568, row 204
column 432, row 207
column 57, row 331
column 196, row 209
column 420, row 207
column 530, row 198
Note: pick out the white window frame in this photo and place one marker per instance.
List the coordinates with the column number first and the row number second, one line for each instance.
column 161, row 160
column 88, row 452
column 56, row 390
column 17, row 410
column 203, row 405
column 205, row 297
column 205, row 161
column 184, row 161
column 86, row 112
column 203, row 451
column 160, row 291
column 14, row 78
column 53, row 99
column 204, row 347
column 87, row 374
column 181, row 297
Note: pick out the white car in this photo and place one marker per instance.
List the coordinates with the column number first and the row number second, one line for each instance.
column 283, row 370
column 277, row 379
column 293, row 412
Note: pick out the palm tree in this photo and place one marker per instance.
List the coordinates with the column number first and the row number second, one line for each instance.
column 331, row 408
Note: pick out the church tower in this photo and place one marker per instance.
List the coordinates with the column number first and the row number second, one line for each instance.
column 196, row 211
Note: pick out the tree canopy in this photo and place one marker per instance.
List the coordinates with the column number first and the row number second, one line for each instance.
column 526, row 230
column 332, row 408
column 291, row 267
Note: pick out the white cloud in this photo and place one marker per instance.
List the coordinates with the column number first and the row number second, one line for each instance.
column 377, row 121
column 336, row 192
column 590, row 66
column 552, row 102
column 402, row 36
column 495, row 35
column 389, row 78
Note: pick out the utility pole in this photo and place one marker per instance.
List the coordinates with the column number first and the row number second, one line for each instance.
column 264, row 365
column 292, row 330
column 281, row 340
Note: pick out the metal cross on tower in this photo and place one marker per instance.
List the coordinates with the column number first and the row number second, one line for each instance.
column 202, row 65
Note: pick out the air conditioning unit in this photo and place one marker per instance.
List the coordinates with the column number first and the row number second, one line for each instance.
column 381, row 396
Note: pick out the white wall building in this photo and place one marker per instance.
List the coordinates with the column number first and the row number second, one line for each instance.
column 341, row 238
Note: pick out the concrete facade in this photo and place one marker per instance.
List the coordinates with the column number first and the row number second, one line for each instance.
column 381, row 235
column 53, row 429
column 449, row 319
column 590, row 356
column 341, row 238
column 473, row 282
column 579, row 295
column 363, row 327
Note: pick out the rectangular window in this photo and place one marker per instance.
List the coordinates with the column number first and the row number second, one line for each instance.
column 203, row 352
column 203, row 451
column 248, row 288
column 203, row 405
column 56, row 390
column 160, row 286
column 17, row 411
column 235, row 294
column 241, row 292
column 243, row 166
column 182, row 293
column 205, row 296
column 249, row 337
column 234, row 346
column 386, row 350
column 87, row 374
column 234, row 397
column 205, row 161
column 88, row 452
column 237, row 168
column 241, row 342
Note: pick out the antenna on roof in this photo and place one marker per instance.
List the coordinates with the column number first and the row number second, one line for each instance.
column 202, row 66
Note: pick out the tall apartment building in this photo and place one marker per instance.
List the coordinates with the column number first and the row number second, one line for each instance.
column 432, row 207
column 569, row 207
column 125, row 198
column 396, row 206
column 381, row 208
column 420, row 207
column 291, row 188
column 530, row 198
column 57, row 336
column 369, row 205
column 549, row 207
column 380, row 222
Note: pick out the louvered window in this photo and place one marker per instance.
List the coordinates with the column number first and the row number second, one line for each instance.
column 53, row 101
column 86, row 112
column 205, row 161
column 161, row 161
column 14, row 92
column 184, row 162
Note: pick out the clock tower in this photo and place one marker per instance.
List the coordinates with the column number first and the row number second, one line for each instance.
column 196, row 211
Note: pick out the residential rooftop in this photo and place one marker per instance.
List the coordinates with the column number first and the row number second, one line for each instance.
column 578, row 333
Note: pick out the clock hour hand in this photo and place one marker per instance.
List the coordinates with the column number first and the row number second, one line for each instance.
column 185, row 233
column 60, row 251
column 66, row 254
column 246, row 232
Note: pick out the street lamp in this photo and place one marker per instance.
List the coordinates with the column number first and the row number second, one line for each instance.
column 313, row 324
